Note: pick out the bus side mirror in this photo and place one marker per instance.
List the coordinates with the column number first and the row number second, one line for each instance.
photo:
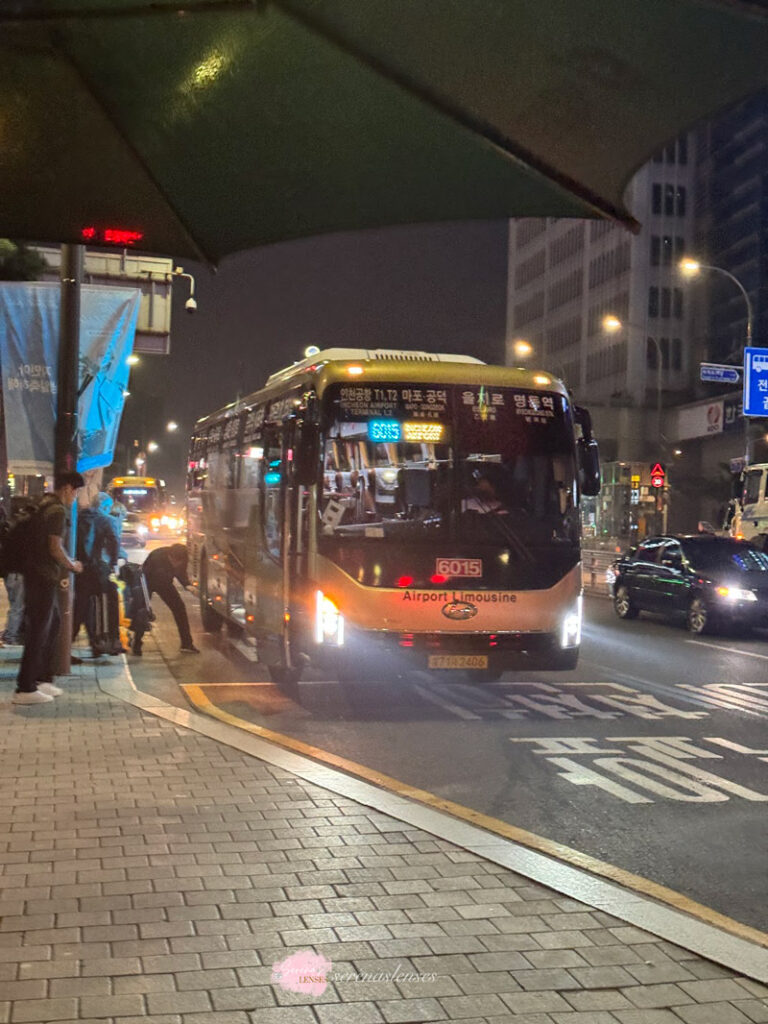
column 307, row 454
column 589, row 467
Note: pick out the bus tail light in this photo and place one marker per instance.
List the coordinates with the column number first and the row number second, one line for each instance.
column 329, row 622
column 571, row 630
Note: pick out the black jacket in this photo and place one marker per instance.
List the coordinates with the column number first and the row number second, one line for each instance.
column 159, row 572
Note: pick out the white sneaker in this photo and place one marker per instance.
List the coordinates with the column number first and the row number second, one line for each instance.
column 35, row 697
column 50, row 689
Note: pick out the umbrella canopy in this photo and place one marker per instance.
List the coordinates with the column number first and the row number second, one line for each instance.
column 218, row 125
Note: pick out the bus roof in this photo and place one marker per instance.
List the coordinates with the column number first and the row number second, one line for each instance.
column 333, row 365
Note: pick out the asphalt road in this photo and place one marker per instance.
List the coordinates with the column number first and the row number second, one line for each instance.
column 651, row 756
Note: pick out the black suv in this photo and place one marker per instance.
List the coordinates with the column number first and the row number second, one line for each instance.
column 711, row 581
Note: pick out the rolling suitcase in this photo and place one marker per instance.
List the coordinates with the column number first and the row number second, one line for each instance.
column 101, row 642
column 137, row 604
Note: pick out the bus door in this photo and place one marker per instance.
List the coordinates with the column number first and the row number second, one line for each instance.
column 280, row 555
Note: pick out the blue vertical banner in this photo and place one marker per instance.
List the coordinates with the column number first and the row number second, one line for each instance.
column 29, row 341
column 755, row 381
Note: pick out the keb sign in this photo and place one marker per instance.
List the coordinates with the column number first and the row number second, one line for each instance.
column 756, row 381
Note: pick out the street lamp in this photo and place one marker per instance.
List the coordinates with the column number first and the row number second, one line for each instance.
column 133, row 359
column 152, row 446
column 171, row 426
column 690, row 268
column 522, row 348
column 612, row 324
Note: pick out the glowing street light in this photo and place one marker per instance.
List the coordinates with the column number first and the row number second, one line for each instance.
column 612, row 324
column 133, row 359
column 171, row 426
column 152, row 446
column 522, row 348
column 691, row 268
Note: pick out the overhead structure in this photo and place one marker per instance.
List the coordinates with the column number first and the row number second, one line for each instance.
column 213, row 126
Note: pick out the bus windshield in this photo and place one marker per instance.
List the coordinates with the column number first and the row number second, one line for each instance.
column 492, row 465
column 137, row 497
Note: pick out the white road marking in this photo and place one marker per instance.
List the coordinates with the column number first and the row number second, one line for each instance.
column 732, row 650
column 446, row 705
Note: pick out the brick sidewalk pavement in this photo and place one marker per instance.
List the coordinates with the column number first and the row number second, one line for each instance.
column 150, row 873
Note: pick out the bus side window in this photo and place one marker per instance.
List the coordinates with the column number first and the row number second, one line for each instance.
column 222, row 469
column 251, row 459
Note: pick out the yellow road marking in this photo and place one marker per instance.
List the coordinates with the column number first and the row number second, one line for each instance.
column 184, row 686
column 501, row 828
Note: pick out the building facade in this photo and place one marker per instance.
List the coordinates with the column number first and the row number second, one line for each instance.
column 705, row 194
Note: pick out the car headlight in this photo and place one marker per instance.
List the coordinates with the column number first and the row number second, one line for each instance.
column 142, row 530
column 735, row 594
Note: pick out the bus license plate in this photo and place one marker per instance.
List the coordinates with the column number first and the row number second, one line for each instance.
column 457, row 661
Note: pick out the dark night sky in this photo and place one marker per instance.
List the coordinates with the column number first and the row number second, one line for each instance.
column 437, row 287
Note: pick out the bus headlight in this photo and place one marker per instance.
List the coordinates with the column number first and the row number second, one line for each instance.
column 570, row 635
column 329, row 622
column 142, row 530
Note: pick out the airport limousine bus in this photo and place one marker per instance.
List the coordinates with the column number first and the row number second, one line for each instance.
column 370, row 508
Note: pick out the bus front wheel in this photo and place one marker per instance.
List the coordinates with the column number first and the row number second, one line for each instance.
column 286, row 679
column 211, row 620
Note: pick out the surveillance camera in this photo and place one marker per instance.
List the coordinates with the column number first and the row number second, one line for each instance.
column 191, row 306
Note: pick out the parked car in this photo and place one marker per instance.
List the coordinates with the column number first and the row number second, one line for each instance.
column 710, row 582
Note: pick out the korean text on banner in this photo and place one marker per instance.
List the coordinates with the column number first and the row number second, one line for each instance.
column 29, row 333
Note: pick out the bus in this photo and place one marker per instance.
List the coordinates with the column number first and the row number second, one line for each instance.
column 150, row 514
column 376, row 508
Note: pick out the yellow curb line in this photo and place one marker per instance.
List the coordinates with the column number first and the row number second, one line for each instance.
column 529, row 839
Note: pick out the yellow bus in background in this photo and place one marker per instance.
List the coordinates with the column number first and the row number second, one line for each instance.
column 150, row 515
column 371, row 508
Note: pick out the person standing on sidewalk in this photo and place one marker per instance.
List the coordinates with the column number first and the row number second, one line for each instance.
column 98, row 549
column 45, row 565
column 161, row 567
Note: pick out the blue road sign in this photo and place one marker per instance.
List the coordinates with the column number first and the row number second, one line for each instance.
column 756, row 381
column 719, row 373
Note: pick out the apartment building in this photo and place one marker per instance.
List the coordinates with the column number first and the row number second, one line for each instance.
column 567, row 276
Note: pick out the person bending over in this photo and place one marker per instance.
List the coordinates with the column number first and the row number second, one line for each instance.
column 161, row 567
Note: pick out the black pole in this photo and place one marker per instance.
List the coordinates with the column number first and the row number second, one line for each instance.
column 65, row 436
column 65, row 456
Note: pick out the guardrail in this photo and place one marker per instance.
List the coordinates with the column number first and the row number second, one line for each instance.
column 594, row 565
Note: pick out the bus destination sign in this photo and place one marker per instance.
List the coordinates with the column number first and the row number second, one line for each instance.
column 392, row 401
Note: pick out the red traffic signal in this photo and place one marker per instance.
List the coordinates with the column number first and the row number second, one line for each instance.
column 658, row 475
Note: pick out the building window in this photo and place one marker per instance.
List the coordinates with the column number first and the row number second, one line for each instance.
column 650, row 354
column 677, row 354
column 655, row 250
column 666, row 303
column 669, row 200
column 653, row 301
column 677, row 300
column 665, row 353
